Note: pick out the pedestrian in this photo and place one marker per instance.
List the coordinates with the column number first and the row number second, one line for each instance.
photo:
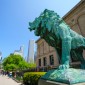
column 10, row 74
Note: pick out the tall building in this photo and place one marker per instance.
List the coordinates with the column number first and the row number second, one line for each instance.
column 30, row 57
column 20, row 52
column 0, row 61
column 0, row 55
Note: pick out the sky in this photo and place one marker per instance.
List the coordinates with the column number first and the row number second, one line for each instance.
column 15, row 16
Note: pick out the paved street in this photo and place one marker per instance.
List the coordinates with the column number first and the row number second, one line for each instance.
column 4, row 80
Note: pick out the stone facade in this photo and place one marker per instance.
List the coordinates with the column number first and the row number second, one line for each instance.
column 44, row 51
column 76, row 19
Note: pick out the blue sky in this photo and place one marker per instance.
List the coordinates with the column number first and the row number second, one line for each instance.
column 15, row 16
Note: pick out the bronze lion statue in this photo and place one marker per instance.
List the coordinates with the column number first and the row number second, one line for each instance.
column 59, row 35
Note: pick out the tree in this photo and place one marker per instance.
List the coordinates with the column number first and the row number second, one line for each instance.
column 10, row 67
column 14, row 62
column 23, row 65
column 31, row 65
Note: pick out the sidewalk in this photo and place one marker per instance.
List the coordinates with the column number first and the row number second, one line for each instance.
column 4, row 80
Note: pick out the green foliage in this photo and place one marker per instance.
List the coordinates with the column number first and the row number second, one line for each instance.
column 14, row 62
column 31, row 65
column 31, row 78
column 19, row 78
column 23, row 65
column 10, row 67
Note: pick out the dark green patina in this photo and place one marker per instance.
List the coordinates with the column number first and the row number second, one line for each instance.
column 59, row 35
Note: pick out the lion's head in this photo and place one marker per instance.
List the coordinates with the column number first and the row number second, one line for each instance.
column 46, row 22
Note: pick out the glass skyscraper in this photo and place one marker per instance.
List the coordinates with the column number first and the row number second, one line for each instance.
column 30, row 57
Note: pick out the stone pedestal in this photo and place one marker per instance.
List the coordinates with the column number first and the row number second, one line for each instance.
column 47, row 82
column 63, row 77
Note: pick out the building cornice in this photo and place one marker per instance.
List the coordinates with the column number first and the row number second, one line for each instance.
column 38, row 40
column 77, row 5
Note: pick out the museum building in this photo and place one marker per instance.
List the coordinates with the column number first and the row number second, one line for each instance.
column 47, row 57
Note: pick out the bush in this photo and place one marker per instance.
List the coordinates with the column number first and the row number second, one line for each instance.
column 31, row 78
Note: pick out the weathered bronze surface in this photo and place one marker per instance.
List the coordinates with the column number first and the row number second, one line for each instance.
column 59, row 35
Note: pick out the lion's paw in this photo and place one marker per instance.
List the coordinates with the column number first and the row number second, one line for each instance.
column 63, row 66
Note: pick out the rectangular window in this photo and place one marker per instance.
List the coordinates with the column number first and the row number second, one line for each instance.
column 51, row 60
column 44, row 61
column 39, row 62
